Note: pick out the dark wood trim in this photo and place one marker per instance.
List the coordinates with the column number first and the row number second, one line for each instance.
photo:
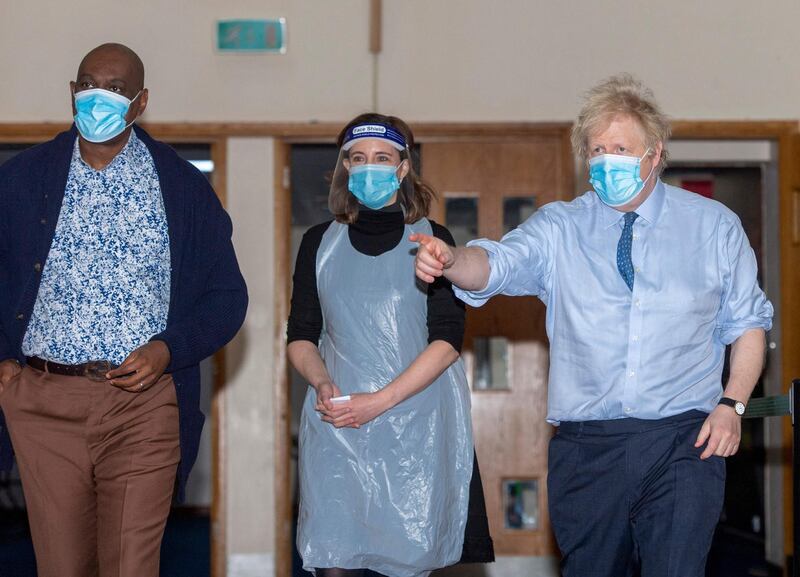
column 313, row 131
column 219, row 565
column 327, row 131
column 283, row 436
column 732, row 129
column 375, row 26
column 30, row 132
column 219, row 467
column 219, row 156
column 789, row 171
column 567, row 166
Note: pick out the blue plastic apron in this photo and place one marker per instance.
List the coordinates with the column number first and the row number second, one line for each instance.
column 391, row 496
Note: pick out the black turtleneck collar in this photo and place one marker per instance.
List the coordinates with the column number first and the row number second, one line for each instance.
column 377, row 231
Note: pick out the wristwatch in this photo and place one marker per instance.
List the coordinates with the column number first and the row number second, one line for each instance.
column 738, row 406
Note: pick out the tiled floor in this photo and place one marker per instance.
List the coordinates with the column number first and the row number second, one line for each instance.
column 185, row 552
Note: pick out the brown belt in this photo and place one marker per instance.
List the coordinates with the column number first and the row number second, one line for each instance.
column 94, row 370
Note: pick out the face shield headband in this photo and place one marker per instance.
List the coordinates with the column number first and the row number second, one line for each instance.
column 374, row 130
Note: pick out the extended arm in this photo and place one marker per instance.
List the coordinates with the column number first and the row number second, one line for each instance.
column 519, row 264
column 465, row 267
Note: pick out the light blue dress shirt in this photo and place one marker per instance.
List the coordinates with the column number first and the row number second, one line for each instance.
column 649, row 353
column 105, row 285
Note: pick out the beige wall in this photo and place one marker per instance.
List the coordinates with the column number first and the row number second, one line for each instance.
column 325, row 75
column 442, row 60
column 530, row 59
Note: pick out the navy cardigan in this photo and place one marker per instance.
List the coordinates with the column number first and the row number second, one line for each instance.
column 208, row 297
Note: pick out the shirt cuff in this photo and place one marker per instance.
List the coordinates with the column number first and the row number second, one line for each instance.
column 729, row 333
column 496, row 275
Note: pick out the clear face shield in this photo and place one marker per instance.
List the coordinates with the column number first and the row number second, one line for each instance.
column 373, row 169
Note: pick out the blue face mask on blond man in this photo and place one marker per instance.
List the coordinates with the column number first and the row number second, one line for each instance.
column 100, row 114
column 616, row 178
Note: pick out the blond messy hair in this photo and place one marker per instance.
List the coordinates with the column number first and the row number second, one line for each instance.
column 621, row 95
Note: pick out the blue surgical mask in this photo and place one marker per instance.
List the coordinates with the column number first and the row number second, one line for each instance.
column 373, row 184
column 100, row 114
column 615, row 178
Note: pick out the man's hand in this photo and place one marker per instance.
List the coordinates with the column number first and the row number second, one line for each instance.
column 9, row 369
column 722, row 430
column 142, row 369
column 433, row 257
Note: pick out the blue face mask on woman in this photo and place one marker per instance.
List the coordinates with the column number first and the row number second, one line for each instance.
column 615, row 178
column 373, row 184
column 100, row 114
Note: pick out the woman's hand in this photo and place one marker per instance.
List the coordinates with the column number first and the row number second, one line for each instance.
column 328, row 409
column 361, row 409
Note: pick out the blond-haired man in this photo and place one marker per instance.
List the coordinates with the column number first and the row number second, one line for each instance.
column 645, row 286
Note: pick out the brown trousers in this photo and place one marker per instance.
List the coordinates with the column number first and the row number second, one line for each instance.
column 98, row 468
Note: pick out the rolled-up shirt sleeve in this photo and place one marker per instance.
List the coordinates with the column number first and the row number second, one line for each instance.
column 744, row 305
column 520, row 264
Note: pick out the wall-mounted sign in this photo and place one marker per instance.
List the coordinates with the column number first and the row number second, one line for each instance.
column 252, row 35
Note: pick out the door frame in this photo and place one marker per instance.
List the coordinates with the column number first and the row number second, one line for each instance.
column 778, row 132
column 783, row 133
column 423, row 133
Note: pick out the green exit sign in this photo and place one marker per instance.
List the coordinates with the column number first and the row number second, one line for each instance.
column 252, row 35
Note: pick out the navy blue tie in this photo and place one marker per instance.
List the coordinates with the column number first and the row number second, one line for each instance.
column 624, row 263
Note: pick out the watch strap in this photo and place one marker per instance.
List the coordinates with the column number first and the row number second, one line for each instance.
column 732, row 403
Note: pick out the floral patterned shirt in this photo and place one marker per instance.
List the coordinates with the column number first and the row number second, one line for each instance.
column 106, row 282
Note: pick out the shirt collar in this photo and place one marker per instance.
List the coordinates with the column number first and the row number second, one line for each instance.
column 126, row 153
column 649, row 210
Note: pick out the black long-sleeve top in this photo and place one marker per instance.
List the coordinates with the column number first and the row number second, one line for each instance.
column 374, row 233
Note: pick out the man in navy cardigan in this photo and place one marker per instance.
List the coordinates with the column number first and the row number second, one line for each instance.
column 117, row 277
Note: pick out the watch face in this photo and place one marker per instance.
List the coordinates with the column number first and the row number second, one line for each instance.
column 739, row 408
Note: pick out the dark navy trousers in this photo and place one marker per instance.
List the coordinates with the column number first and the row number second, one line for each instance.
column 632, row 497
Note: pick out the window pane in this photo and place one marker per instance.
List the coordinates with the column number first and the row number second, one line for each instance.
column 461, row 215
column 490, row 370
column 516, row 211
column 521, row 504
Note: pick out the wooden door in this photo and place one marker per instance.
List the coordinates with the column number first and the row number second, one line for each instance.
column 486, row 187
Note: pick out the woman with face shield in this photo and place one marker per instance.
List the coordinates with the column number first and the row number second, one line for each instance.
column 387, row 474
